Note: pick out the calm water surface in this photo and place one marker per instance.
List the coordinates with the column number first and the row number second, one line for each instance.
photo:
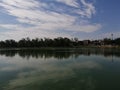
column 60, row 69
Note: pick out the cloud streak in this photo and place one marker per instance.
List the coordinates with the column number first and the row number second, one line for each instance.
column 37, row 17
column 71, row 3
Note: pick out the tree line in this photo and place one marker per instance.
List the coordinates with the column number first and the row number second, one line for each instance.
column 56, row 42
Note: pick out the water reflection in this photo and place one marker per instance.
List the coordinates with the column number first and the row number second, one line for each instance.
column 81, row 69
column 60, row 54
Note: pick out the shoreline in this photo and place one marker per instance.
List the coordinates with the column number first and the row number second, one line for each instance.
column 52, row 48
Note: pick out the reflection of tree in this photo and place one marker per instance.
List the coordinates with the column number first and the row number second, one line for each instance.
column 60, row 53
column 8, row 53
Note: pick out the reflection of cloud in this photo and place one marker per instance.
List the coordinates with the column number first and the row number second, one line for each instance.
column 32, row 78
column 42, row 71
column 24, row 82
column 87, row 65
column 43, row 64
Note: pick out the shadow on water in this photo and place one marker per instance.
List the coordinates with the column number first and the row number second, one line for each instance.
column 61, row 53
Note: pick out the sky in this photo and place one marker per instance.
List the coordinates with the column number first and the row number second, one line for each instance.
column 83, row 19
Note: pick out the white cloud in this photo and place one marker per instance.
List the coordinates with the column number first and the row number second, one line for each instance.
column 44, row 22
column 86, row 28
column 10, row 26
column 72, row 3
column 24, row 4
column 88, row 8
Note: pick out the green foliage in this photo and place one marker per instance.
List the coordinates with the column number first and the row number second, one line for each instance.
column 38, row 42
column 117, row 41
column 56, row 42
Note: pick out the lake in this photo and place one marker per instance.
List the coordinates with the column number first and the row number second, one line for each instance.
column 60, row 69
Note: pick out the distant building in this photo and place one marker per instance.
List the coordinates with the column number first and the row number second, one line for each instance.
column 98, row 42
column 86, row 42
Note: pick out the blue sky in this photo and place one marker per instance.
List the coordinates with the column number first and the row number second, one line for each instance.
column 84, row 19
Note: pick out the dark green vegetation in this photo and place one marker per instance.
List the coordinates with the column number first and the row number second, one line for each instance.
column 57, row 42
